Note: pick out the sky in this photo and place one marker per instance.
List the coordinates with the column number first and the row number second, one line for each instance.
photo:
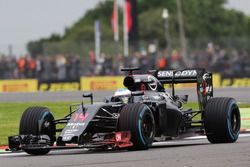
column 242, row 5
column 24, row 20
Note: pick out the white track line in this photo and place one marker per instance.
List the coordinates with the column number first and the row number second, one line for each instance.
column 6, row 154
column 12, row 154
column 204, row 137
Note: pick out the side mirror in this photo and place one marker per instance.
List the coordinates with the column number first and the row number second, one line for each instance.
column 88, row 94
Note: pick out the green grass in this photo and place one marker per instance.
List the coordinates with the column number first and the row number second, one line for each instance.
column 245, row 113
column 10, row 114
column 244, row 105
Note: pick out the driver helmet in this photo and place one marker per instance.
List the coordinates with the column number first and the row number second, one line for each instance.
column 123, row 94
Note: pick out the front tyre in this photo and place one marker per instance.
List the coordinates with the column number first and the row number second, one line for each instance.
column 38, row 121
column 139, row 120
column 222, row 120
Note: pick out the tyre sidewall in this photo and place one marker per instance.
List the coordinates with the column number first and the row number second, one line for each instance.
column 232, row 107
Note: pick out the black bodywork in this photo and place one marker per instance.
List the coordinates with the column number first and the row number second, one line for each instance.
column 96, row 125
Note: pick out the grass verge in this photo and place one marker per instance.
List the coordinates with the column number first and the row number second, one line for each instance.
column 10, row 115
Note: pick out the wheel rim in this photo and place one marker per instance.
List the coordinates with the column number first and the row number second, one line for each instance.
column 147, row 127
column 48, row 127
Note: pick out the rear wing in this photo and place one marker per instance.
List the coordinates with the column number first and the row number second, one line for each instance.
column 180, row 76
column 201, row 77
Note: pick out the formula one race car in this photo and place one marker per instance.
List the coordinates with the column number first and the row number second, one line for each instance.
column 134, row 117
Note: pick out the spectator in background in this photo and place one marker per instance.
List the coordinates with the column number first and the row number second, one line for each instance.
column 73, row 67
column 176, row 59
column 46, row 69
column 54, row 69
column 229, row 62
column 108, row 66
column 152, row 56
column 162, row 63
column 39, row 66
column 31, row 67
column 92, row 57
column 118, row 64
column 21, row 62
column 134, row 59
column 91, row 66
column 144, row 61
column 6, row 68
column 2, row 68
column 13, row 68
column 61, row 66
column 99, row 65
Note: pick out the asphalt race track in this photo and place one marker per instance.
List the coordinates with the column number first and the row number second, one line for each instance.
column 184, row 153
column 240, row 94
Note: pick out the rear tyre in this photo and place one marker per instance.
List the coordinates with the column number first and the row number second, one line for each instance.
column 222, row 120
column 38, row 121
column 139, row 120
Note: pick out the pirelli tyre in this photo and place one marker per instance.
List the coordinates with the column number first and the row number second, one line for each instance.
column 139, row 120
column 38, row 121
column 222, row 120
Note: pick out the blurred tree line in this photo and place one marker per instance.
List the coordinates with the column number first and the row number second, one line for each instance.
column 202, row 19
